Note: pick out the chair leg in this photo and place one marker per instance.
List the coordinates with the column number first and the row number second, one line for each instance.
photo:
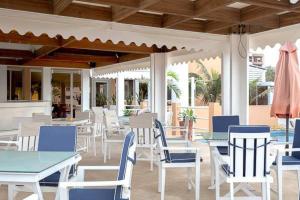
column 151, row 158
column 105, row 151
column 94, row 146
column 268, row 191
column 279, row 184
column 159, row 177
column 197, row 181
column 163, row 183
column 298, row 173
column 189, row 178
column 212, row 171
column 109, row 152
column 217, row 184
column 263, row 191
column 231, row 191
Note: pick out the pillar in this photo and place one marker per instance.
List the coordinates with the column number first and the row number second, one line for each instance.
column 235, row 98
column 3, row 83
column 26, row 84
column 46, row 84
column 159, row 63
column 136, row 90
column 85, row 89
column 120, row 93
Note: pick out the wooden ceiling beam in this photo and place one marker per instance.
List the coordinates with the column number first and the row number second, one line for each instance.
column 6, row 61
column 119, row 13
column 12, row 53
column 57, row 63
column 60, row 5
column 81, row 58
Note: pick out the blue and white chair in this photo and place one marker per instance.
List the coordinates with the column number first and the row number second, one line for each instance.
column 289, row 162
column 53, row 138
column 220, row 125
column 186, row 157
column 104, row 190
column 248, row 161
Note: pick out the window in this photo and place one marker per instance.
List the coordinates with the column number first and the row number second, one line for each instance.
column 14, row 84
column 36, row 85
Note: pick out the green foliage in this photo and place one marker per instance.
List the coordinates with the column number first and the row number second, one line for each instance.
column 208, row 85
column 127, row 113
column 253, row 94
column 172, row 85
column 129, row 100
column 270, row 74
column 189, row 114
column 143, row 92
column 101, row 100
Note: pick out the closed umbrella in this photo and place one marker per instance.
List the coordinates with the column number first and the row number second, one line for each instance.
column 286, row 100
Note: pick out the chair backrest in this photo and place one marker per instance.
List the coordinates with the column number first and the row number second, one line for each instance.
column 98, row 114
column 29, row 133
column 249, row 151
column 142, row 126
column 296, row 141
column 42, row 118
column 57, row 138
column 111, row 119
column 85, row 115
column 128, row 159
column 162, row 141
column 221, row 123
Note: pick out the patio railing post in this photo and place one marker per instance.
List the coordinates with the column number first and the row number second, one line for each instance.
column 3, row 83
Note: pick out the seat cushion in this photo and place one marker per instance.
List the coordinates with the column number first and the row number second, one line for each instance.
column 183, row 157
column 289, row 160
column 53, row 179
column 222, row 150
column 91, row 194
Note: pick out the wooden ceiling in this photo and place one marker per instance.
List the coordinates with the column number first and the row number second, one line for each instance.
column 211, row 16
column 44, row 51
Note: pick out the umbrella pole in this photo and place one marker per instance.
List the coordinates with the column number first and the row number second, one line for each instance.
column 287, row 124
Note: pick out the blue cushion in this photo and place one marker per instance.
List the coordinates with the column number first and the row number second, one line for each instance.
column 57, row 138
column 222, row 150
column 296, row 142
column 182, row 157
column 221, row 123
column 163, row 139
column 289, row 160
column 91, row 194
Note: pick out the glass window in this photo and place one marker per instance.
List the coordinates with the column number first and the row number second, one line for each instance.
column 36, row 85
column 14, row 85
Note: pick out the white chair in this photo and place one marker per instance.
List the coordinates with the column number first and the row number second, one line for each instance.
column 104, row 190
column 98, row 119
column 113, row 132
column 185, row 157
column 32, row 197
column 142, row 126
column 47, row 119
column 86, row 131
column 248, row 161
column 290, row 162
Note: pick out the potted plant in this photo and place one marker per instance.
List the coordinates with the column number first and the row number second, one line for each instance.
column 187, row 114
column 127, row 113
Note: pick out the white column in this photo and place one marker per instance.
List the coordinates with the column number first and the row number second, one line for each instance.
column 85, row 89
column 3, row 83
column 120, row 93
column 159, row 63
column 136, row 89
column 46, row 84
column 193, row 88
column 239, row 87
column 226, row 80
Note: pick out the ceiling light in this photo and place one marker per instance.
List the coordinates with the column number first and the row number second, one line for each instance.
column 294, row 1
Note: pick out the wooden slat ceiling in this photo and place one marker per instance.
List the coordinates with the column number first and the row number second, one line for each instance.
column 211, row 16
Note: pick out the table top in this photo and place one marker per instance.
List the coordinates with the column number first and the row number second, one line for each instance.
column 66, row 121
column 223, row 136
column 31, row 161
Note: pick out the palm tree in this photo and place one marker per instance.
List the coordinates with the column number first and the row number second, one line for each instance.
column 172, row 78
column 208, row 85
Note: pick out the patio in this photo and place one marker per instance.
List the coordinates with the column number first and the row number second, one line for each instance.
column 77, row 75
column 144, row 183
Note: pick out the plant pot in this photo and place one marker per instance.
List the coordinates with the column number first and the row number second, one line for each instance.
column 181, row 124
column 190, row 130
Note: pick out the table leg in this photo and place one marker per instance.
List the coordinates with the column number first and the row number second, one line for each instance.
column 64, row 176
column 11, row 192
column 212, row 168
column 37, row 190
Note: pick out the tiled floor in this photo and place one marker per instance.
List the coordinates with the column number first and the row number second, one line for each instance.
column 144, row 183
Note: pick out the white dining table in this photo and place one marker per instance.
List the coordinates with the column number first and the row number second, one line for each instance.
column 70, row 122
column 28, row 168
